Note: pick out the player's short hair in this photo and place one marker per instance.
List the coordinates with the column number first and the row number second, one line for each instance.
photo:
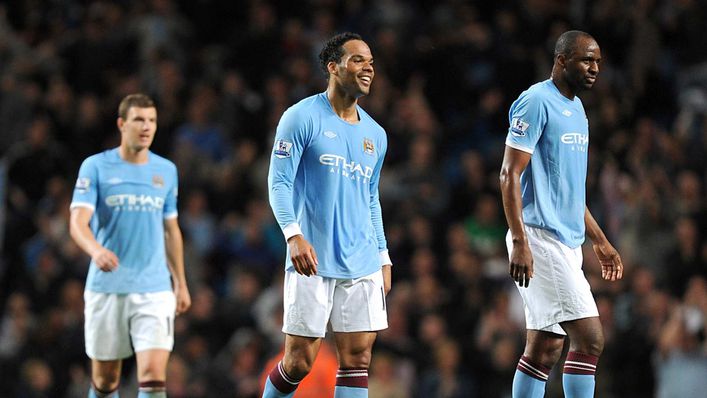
column 567, row 42
column 333, row 50
column 134, row 100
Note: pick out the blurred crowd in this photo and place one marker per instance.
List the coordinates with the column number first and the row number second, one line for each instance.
column 447, row 71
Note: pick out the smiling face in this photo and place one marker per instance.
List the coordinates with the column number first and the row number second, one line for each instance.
column 354, row 73
column 138, row 128
column 581, row 67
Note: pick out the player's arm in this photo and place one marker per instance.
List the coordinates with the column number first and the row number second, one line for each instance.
column 174, row 247
column 521, row 259
column 611, row 266
column 377, row 221
column 290, row 141
column 80, row 231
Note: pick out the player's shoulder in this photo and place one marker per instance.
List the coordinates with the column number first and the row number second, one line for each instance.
column 305, row 108
column 102, row 158
column 161, row 161
column 541, row 91
column 536, row 96
column 371, row 122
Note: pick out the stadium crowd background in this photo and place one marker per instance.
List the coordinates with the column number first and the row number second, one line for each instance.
column 223, row 72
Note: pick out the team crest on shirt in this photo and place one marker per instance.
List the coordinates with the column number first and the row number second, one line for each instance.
column 519, row 127
column 283, row 149
column 83, row 184
column 157, row 181
column 368, row 146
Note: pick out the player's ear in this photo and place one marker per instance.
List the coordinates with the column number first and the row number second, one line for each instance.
column 561, row 59
column 120, row 122
column 332, row 67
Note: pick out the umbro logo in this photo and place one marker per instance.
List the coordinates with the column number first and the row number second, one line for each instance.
column 567, row 113
column 330, row 134
column 114, row 180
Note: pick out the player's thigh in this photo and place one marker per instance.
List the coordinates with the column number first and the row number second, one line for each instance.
column 307, row 303
column 359, row 304
column 152, row 320
column 558, row 291
column 106, row 326
column 152, row 365
column 354, row 348
column 586, row 335
column 300, row 353
column 543, row 347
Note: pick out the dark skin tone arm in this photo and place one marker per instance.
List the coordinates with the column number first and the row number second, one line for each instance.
column 521, row 261
column 612, row 269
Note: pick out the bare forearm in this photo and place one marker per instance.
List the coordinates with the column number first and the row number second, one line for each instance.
column 594, row 232
column 84, row 238
column 512, row 205
column 174, row 247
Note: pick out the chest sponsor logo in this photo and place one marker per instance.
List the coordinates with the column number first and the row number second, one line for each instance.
column 83, row 184
column 577, row 141
column 132, row 202
column 368, row 147
column 283, row 149
column 519, row 127
column 351, row 170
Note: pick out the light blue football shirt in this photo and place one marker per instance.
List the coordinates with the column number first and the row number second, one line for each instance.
column 130, row 203
column 323, row 180
column 555, row 131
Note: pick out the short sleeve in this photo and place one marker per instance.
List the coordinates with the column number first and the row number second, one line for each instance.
column 170, row 203
column 86, row 188
column 527, row 118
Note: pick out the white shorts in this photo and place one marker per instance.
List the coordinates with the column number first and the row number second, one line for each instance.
column 558, row 291
column 117, row 325
column 350, row 305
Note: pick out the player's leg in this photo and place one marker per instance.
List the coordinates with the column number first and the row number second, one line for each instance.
column 307, row 305
column 359, row 311
column 152, row 334
column 354, row 353
column 586, row 345
column 542, row 350
column 152, row 373
column 300, row 353
column 105, row 378
column 107, row 341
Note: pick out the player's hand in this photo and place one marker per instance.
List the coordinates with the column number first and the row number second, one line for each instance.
column 612, row 269
column 303, row 256
column 521, row 264
column 387, row 278
column 105, row 259
column 183, row 298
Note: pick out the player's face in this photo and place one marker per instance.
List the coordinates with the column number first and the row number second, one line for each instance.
column 355, row 71
column 582, row 67
column 138, row 128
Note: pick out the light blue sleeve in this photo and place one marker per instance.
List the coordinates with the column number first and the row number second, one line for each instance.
column 527, row 118
column 86, row 188
column 170, row 203
column 291, row 139
column 375, row 205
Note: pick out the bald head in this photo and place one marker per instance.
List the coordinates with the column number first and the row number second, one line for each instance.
column 568, row 42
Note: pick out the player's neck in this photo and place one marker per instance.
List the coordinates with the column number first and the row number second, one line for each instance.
column 132, row 155
column 343, row 105
column 563, row 87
